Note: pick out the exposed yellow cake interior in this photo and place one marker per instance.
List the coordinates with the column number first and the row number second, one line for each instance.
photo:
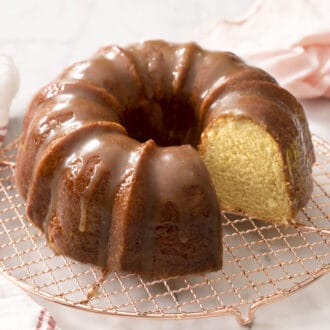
column 247, row 169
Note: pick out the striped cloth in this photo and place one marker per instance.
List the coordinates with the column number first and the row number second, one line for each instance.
column 19, row 311
column 9, row 82
column 45, row 321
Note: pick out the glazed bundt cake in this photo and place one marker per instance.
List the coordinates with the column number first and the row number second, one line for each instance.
column 117, row 155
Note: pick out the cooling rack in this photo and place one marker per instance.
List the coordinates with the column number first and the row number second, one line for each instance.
column 262, row 262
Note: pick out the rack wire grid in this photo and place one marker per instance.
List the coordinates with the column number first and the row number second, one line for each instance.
column 262, row 261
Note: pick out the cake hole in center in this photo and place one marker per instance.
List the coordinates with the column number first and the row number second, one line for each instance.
column 170, row 124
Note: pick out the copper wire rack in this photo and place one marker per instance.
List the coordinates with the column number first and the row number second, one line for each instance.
column 262, row 262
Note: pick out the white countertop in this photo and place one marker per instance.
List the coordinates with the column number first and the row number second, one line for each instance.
column 45, row 36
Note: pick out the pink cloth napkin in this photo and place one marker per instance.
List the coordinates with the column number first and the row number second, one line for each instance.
column 19, row 311
column 288, row 39
column 9, row 82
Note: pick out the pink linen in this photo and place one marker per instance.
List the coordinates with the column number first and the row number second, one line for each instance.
column 288, row 39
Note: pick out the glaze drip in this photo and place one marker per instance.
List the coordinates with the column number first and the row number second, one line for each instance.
column 110, row 155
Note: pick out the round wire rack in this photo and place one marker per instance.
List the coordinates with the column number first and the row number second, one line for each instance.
column 262, row 262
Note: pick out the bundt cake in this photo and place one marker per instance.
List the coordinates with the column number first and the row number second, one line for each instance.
column 117, row 154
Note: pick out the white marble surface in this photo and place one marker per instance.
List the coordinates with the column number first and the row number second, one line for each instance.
column 45, row 36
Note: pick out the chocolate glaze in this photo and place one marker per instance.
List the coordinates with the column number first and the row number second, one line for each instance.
column 107, row 164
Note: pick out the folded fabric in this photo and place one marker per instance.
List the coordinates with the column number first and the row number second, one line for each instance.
column 9, row 82
column 288, row 39
column 19, row 311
